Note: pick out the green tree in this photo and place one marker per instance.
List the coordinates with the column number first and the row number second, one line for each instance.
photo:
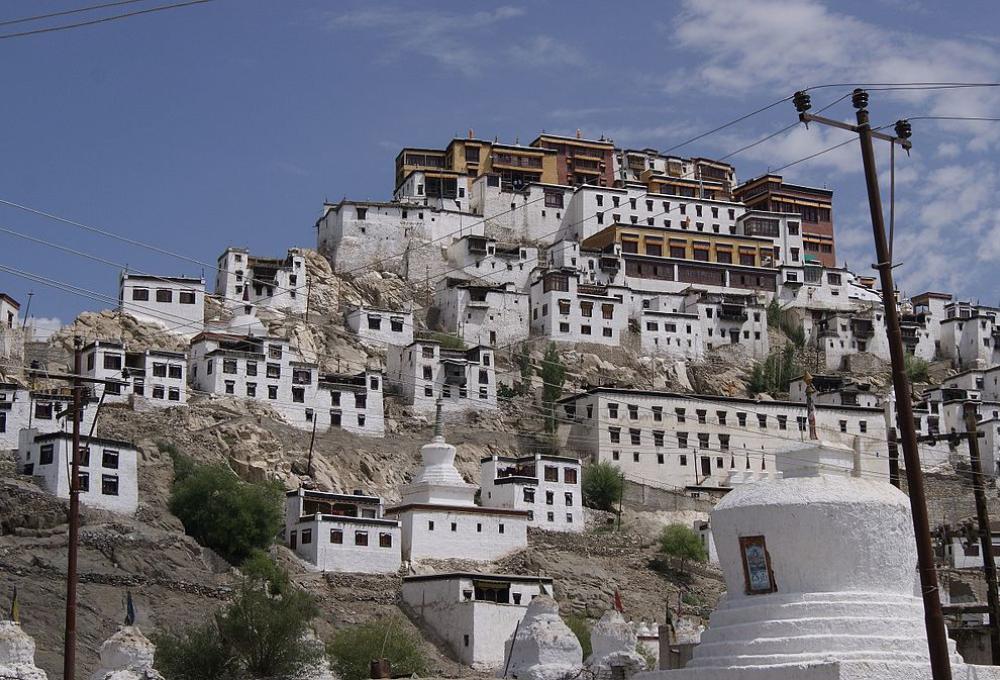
column 681, row 542
column 581, row 629
column 261, row 633
column 353, row 649
column 917, row 369
column 553, row 374
column 226, row 514
column 602, row 485
column 527, row 371
column 773, row 374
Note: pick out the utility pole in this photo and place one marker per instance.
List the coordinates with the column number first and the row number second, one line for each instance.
column 69, row 651
column 985, row 534
column 937, row 637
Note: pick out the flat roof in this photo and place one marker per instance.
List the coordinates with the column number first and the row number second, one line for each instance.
column 167, row 279
column 117, row 443
column 529, row 458
column 710, row 397
column 467, row 509
column 451, row 575
column 332, row 495
column 9, row 300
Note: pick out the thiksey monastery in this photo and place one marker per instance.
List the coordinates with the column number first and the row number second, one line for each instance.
column 574, row 244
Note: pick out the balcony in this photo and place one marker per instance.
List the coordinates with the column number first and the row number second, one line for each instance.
column 730, row 312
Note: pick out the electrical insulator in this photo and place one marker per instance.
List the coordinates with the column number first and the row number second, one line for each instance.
column 859, row 98
column 903, row 129
column 802, row 101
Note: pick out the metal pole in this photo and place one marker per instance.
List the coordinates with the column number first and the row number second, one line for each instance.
column 69, row 650
column 893, row 458
column 937, row 637
column 985, row 534
column 312, row 440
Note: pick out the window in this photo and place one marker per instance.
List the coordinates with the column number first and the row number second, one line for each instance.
column 298, row 394
column 501, row 528
column 550, row 498
column 633, row 412
column 112, row 362
column 176, row 372
column 683, row 460
column 361, row 420
column 635, row 436
column 613, row 411
column 657, row 414
column 43, row 411
column 186, row 297
column 569, row 476
column 702, row 416
column 374, row 323
column 336, row 536
column 782, row 422
column 762, row 421
column 109, row 485
column 551, row 473
column 361, row 401
column 454, row 526
column 741, row 418
column 863, row 426
column 158, row 391
column 140, row 294
column 273, row 371
column 251, row 389
column 682, row 440
column 362, row 212
column 307, row 536
column 703, row 440
column 228, row 366
column 384, row 540
column 109, row 459
column 724, row 442
column 615, row 433
column 843, row 426
column 529, row 495
column 45, row 454
column 272, row 391
column 550, row 516
column 360, row 538
column 251, row 368
column 84, row 480
column 164, row 295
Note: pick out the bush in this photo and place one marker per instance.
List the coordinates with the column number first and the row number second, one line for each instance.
column 581, row 629
column 262, row 633
column 448, row 340
column 917, row 369
column 354, row 648
column 602, row 486
column 505, row 393
column 774, row 373
column 553, row 375
column 681, row 542
column 225, row 514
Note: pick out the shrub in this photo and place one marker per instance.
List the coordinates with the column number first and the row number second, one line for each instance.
column 682, row 543
column 774, row 373
column 505, row 393
column 262, row 633
column 581, row 629
column 917, row 369
column 354, row 648
column 602, row 485
column 448, row 340
column 225, row 514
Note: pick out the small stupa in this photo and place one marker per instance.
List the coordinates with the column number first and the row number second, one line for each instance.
column 820, row 567
column 17, row 649
column 439, row 481
column 543, row 647
column 613, row 643
column 128, row 654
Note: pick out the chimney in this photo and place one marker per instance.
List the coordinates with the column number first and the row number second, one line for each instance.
column 471, row 135
column 579, row 135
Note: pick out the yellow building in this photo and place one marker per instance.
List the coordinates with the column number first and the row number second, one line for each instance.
column 514, row 164
column 745, row 251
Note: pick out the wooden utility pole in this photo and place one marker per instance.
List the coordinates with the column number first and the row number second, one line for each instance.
column 937, row 636
column 985, row 534
column 69, row 649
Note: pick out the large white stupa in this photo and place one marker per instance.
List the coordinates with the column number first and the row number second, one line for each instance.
column 439, row 481
column 17, row 654
column 821, row 573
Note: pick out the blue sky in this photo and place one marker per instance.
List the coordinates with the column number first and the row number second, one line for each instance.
column 229, row 123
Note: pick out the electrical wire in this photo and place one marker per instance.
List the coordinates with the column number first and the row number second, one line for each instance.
column 92, row 22
column 39, row 17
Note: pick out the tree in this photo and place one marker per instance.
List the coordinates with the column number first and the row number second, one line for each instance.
column 524, row 364
column 581, row 629
column 681, row 542
column 224, row 513
column 353, row 649
column 553, row 374
column 261, row 633
column 917, row 369
column 602, row 485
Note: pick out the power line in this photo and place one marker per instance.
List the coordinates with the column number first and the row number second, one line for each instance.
column 92, row 22
column 39, row 17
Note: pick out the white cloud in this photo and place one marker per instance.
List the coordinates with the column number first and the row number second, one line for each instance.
column 445, row 37
column 545, row 49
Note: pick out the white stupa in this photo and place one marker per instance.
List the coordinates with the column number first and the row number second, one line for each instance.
column 17, row 654
column 543, row 647
column 613, row 643
column 127, row 655
column 821, row 572
column 439, row 481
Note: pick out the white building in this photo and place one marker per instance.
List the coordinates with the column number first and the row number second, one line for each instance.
column 703, row 528
column 407, row 238
column 380, row 327
column 341, row 532
column 547, row 487
column 493, row 264
column 425, row 371
column 275, row 283
column 835, row 389
column 564, row 309
column 959, row 547
column 970, row 335
column 11, row 335
column 108, row 468
column 439, row 516
column 158, row 377
column 493, row 315
column 702, row 441
column 269, row 370
column 175, row 302
column 47, row 413
column 474, row 613
column 686, row 326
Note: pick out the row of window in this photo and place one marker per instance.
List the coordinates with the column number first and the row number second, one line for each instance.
column 164, row 295
column 113, row 362
column 682, row 460
column 337, row 538
column 463, row 392
column 550, row 516
column 682, row 207
column 701, row 415
column 46, row 453
column 454, row 527
column 550, row 496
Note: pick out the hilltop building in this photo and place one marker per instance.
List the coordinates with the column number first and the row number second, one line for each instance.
column 548, row 488
column 426, row 371
column 157, row 377
column 249, row 281
column 175, row 302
